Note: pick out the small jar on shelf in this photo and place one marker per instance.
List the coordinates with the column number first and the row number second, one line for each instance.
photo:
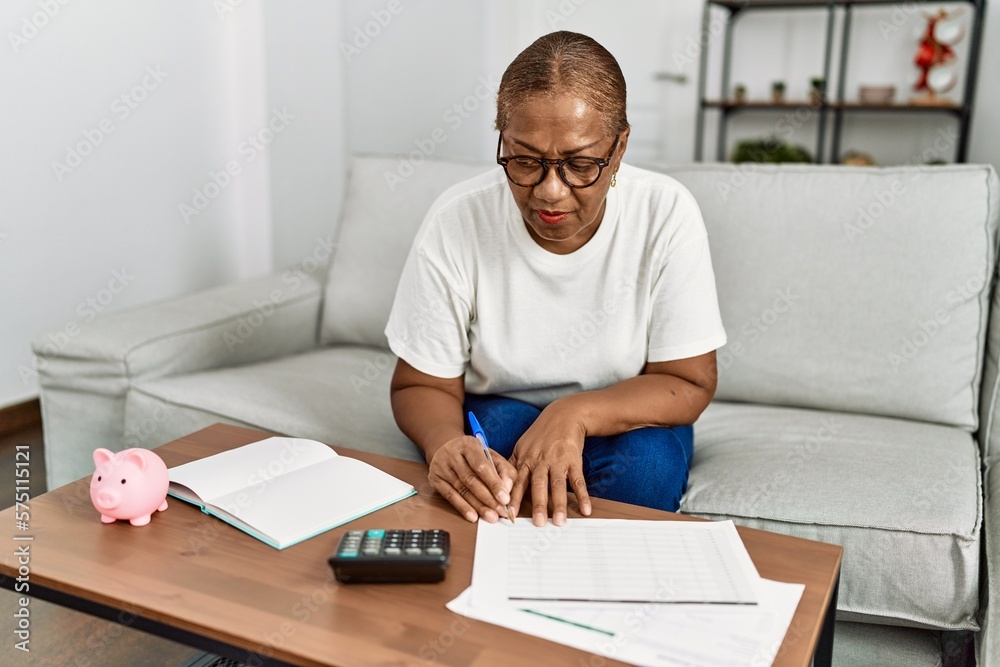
column 778, row 92
column 816, row 86
column 739, row 94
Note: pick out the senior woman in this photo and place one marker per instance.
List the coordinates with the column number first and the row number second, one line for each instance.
column 567, row 300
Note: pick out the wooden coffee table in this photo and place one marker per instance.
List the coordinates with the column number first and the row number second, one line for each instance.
column 194, row 579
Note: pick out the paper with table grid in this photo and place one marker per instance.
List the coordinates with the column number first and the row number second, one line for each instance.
column 644, row 633
column 610, row 561
column 627, row 561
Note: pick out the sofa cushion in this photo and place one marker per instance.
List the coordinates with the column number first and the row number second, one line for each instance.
column 381, row 215
column 855, row 289
column 857, row 644
column 336, row 395
column 903, row 498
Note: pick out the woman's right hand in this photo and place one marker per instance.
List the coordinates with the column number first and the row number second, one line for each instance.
column 460, row 471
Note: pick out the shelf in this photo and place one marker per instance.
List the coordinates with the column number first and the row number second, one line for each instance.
column 758, row 104
column 950, row 107
column 755, row 105
column 838, row 12
column 738, row 5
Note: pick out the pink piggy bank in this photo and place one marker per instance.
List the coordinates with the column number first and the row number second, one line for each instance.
column 131, row 484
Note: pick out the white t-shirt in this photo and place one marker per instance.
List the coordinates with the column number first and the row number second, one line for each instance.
column 478, row 297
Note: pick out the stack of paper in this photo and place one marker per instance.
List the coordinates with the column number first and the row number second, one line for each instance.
column 645, row 592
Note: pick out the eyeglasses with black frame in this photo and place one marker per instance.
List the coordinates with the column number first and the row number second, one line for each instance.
column 576, row 172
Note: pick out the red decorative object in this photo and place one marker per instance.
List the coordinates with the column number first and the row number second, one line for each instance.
column 931, row 52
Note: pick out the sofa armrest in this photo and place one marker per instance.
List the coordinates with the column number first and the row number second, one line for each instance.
column 226, row 326
column 988, row 433
column 988, row 639
column 84, row 373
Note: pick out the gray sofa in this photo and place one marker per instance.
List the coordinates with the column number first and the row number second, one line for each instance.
column 857, row 393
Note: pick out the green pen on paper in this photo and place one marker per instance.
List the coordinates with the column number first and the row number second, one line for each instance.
column 563, row 620
column 477, row 431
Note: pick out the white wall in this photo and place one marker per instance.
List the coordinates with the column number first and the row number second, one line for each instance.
column 64, row 235
column 305, row 76
column 984, row 146
column 425, row 70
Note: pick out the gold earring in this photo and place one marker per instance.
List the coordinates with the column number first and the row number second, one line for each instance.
column 614, row 179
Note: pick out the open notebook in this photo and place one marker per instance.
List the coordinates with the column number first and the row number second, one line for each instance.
column 285, row 490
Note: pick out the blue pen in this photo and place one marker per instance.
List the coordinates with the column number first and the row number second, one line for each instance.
column 477, row 431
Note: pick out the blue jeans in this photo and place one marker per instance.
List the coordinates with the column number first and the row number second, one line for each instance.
column 647, row 466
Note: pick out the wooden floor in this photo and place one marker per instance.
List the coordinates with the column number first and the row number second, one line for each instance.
column 60, row 637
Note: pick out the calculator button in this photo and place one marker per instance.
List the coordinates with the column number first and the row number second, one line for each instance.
column 392, row 551
column 413, row 551
column 434, row 551
column 376, row 533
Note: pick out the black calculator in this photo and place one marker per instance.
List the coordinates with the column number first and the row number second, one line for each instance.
column 391, row 556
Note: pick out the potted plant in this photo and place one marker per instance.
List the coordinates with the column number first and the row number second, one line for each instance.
column 739, row 93
column 816, row 86
column 778, row 92
column 769, row 149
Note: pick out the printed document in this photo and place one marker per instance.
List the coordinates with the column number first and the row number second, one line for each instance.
column 702, row 601
column 611, row 561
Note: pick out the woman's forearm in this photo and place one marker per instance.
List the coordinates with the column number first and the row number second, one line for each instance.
column 428, row 416
column 654, row 399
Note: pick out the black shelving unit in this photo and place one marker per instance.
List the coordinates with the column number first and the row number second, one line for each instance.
column 838, row 108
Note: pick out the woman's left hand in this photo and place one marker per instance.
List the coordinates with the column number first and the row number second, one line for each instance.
column 550, row 456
